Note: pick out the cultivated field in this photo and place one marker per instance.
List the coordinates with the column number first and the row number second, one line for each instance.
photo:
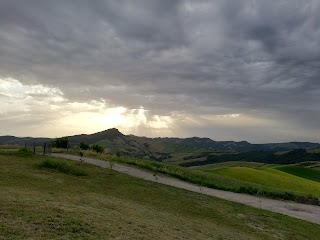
column 272, row 177
column 308, row 173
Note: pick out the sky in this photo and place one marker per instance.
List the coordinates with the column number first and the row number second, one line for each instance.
column 227, row 70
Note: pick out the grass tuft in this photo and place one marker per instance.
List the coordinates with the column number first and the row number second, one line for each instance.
column 24, row 153
column 63, row 167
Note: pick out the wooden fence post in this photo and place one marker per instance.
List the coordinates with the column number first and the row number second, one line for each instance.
column 44, row 148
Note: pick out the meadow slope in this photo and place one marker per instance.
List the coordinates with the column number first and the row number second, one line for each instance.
column 50, row 203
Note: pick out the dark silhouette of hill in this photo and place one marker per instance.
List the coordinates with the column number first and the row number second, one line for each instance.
column 109, row 134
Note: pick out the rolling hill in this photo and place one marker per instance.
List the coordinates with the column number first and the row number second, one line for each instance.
column 161, row 148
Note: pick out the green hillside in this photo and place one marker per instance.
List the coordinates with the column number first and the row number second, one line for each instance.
column 272, row 178
column 51, row 203
column 308, row 173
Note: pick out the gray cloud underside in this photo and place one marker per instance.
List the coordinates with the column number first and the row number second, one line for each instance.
column 215, row 57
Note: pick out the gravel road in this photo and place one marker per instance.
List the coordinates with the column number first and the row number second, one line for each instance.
column 306, row 212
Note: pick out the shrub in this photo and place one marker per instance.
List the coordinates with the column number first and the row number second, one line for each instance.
column 97, row 148
column 84, row 146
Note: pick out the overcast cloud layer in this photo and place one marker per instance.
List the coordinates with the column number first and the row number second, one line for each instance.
column 236, row 70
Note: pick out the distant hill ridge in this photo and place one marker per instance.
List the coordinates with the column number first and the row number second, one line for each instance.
column 159, row 148
column 208, row 143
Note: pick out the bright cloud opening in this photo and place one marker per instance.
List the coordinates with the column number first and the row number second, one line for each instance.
column 45, row 108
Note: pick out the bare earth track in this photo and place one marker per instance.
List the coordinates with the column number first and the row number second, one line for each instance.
column 309, row 213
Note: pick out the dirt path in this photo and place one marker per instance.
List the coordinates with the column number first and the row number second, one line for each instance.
column 309, row 213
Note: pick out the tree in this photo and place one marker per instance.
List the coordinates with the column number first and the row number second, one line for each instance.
column 61, row 142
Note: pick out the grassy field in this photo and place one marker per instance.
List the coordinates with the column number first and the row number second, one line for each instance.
column 41, row 201
column 308, row 173
column 272, row 178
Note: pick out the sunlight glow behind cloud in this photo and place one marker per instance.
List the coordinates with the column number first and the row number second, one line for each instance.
column 47, row 112
column 69, row 117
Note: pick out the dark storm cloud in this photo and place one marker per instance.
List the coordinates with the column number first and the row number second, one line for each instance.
column 152, row 22
column 197, row 57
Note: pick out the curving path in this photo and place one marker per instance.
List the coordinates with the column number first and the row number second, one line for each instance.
column 309, row 213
